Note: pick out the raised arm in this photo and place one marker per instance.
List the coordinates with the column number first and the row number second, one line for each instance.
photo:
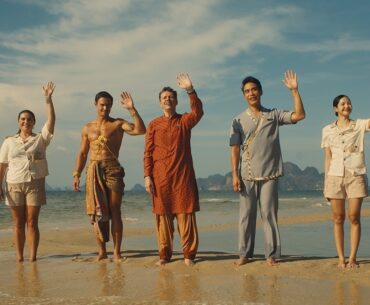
column 184, row 82
column 48, row 92
column 291, row 82
column 81, row 159
column 138, row 127
column 235, row 159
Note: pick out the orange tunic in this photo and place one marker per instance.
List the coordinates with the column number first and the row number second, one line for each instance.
column 168, row 161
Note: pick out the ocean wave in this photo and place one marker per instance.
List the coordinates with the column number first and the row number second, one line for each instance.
column 131, row 219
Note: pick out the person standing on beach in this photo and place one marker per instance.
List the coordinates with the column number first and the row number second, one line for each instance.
column 256, row 165
column 345, row 170
column 23, row 162
column 102, row 138
column 169, row 173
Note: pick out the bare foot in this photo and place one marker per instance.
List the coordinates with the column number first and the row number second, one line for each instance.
column 188, row 262
column 272, row 262
column 33, row 259
column 353, row 264
column 241, row 261
column 161, row 262
column 102, row 257
column 119, row 258
column 20, row 260
column 341, row 263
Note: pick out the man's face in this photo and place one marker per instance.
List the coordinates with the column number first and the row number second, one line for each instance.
column 103, row 107
column 168, row 101
column 252, row 94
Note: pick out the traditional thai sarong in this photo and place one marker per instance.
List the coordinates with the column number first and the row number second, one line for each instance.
column 102, row 176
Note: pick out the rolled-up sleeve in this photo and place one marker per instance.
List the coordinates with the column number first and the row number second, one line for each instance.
column 235, row 137
column 284, row 117
column 4, row 150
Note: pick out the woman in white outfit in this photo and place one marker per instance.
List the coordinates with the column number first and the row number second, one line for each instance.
column 345, row 170
column 23, row 162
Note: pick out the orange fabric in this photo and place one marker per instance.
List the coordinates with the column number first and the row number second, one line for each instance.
column 187, row 227
column 168, row 161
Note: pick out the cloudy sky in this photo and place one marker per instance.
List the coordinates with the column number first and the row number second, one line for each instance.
column 86, row 46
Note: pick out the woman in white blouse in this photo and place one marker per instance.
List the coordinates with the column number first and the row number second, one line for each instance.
column 23, row 162
column 345, row 170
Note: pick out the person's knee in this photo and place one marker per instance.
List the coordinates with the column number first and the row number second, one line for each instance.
column 339, row 218
column 354, row 219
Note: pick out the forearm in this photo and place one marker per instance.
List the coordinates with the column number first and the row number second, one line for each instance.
column 80, row 164
column 299, row 112
column 139, row 126
column 235, row 159
column 3, row 168
column 50, row 114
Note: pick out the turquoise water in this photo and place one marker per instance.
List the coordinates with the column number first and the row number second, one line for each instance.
column 217, row 222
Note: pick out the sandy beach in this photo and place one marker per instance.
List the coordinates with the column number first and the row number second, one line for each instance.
column 67, row 273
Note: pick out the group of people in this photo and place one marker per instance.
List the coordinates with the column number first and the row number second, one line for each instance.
column 169, row 176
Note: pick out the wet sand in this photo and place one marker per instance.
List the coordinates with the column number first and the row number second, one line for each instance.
column 67, row 273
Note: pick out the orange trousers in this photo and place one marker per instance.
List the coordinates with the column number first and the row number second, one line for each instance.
column 187, row 228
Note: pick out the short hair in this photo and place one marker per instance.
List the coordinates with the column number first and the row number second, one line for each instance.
column 30, row 113
column 103, row 94
column 337, row 99
column 251, row 79
column 169, row 89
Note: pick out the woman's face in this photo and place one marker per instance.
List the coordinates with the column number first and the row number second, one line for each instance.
column 26, row 122
column 344, row 107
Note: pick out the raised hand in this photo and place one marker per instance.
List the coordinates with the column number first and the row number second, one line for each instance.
column 127, row 101
column 48, row 89
column 290, row 80
column 184, row 82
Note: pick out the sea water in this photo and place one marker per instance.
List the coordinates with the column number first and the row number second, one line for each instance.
column 217, row 222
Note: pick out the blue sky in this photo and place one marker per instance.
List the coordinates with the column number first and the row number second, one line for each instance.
column 86, row 46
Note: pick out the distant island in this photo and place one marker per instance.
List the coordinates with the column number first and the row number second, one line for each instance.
column 294, row 179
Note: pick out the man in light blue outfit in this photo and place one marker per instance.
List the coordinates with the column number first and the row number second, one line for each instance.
column 257, row 164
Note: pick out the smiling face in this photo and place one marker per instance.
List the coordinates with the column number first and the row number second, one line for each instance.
column 103, row 107
column 168, row 101
column 252, row 94
column 26, row 122
column 343, row 108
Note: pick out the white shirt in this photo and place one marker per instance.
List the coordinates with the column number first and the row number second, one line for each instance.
column 347, row 147
column 26, row 159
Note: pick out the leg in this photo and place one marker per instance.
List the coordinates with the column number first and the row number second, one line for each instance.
column 354, row 216
column 338, row 211
column 33, row 230
column 187, row 227
column 269, row 203
column 165, row 230
column 115, row 199
column 247, row 221
column 19, row 222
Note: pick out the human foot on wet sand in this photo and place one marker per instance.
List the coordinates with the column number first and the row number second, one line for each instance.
column 161, row 262
column 353, row 264
column 342, row 263
column 119, row 258
column 241, row 261
column 101, row 257
column 188, row 262
column 272, row 262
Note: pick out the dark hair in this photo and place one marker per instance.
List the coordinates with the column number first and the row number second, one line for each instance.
column 169, row 89
column 337, row 99
column 30, row 113
column 251, row 79
column 103, row 94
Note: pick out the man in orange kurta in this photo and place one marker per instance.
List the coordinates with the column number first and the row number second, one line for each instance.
column 169, row 173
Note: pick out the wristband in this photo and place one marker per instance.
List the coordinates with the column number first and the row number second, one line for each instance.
column 76, row 174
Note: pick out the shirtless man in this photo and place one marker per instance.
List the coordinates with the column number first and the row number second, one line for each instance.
column 104, row 178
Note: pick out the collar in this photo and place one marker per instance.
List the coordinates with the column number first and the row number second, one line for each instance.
column 351, row 126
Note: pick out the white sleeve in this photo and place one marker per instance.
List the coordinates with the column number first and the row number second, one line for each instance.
column 4, row 152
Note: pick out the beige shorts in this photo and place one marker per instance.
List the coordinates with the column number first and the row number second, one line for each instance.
column 27, row 193
column 349, row 186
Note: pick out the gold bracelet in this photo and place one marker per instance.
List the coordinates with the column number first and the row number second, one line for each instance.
column 76, row 174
